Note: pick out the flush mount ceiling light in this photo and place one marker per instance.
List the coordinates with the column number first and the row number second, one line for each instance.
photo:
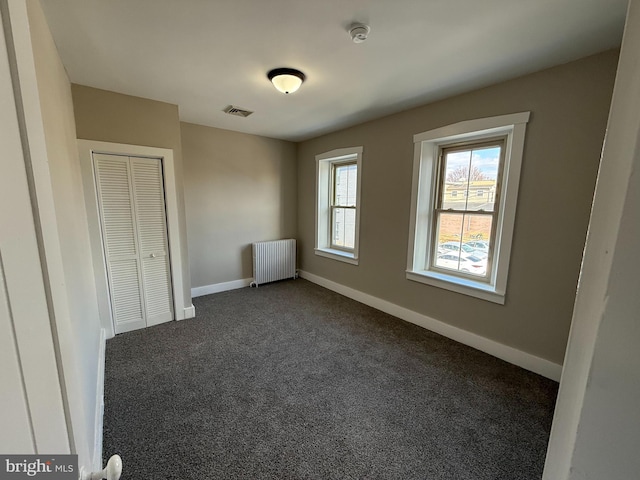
column 287, row 80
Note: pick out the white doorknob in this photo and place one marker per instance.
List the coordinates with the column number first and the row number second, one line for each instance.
column 153, row 255
column 112, row 471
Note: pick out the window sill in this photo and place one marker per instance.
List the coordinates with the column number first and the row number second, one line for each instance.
column 339, row 255
column 465, row 286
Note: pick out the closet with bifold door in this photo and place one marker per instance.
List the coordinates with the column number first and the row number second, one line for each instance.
column 131, row 204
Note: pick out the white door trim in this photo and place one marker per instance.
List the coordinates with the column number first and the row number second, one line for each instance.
column 589, row 349
column 86, row 148
column 30, row 358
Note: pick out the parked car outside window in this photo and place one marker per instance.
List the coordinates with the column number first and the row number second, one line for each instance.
column 479, row 245
column 473, row 264
column 465, row 248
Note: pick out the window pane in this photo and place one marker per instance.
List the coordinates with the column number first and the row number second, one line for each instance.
column 470, row 179
column 484, row 179
column 343, row 227
column 455, row 185
column 463, row 242
column 346, row 177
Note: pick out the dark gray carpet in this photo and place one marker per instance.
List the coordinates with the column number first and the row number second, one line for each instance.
column 293, row 381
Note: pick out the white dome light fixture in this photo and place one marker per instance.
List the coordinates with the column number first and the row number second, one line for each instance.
column 286, row 80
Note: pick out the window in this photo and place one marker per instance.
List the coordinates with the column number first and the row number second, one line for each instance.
column 464, row 196
column 458, row 221
column 337, row 204
column 343, row 205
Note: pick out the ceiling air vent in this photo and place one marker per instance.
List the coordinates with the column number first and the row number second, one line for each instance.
column 237, row 111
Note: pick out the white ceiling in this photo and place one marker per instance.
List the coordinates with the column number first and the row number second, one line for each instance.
column 206, row 54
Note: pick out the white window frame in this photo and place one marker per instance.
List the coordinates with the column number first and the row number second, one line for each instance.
column 426, row 150
column 324, row 185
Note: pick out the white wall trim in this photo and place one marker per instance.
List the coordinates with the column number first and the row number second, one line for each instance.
column 509, row 354
column 427, row 148
column 99, row 420
column 189, row 312
column 458, row 130
column 34, row 401
column 220, row 287
column 324, row 188
column 345, row 257
column 44, row 337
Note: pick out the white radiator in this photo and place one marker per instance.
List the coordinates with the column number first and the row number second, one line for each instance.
column 275, row 260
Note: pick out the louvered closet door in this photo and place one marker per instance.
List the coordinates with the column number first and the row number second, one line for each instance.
column 115, row 198
column 148, row 189
column 132, row 214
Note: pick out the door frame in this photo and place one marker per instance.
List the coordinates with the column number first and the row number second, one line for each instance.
column 39, row 391
column 86, row 149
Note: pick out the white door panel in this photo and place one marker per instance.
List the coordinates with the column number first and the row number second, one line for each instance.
column 115, row 200
column 152, row 237
column 126, row 294
column 157, row 290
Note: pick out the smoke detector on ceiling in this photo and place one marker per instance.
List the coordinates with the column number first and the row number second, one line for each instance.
column 359, row 32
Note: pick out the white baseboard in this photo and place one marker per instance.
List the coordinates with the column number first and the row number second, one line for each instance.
column 509, row 354
column 189, row 312
column 220, row 287
column 98, row 426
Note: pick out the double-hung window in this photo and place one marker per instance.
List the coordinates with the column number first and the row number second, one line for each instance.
column 465, row 189
column 337, row 204
column 466, row 208
column 343, row 205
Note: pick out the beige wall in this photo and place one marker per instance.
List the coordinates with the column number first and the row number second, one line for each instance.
column 112, row 117
column 569, row 106
column 56, row 105
column 239, row 189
